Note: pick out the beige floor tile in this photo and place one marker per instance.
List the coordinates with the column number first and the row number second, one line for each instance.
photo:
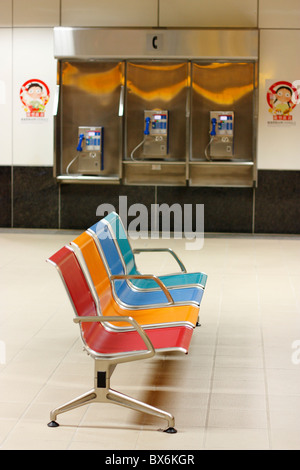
column 238, row 401
column 185, row 439
column 236, row 439
column 238, row 387
column 242, row 419
column 285, row 439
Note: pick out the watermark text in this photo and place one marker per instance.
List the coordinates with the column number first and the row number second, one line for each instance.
column 175, row 221
column 296, row 353
column 2, row 352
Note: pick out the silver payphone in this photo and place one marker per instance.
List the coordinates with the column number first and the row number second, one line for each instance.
column 156, row 139
column 90, row 151
column 156, row 133
column 221, row 144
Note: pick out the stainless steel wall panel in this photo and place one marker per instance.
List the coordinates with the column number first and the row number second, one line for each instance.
column 100, row 43
column 157, row 85
column 221, row 174
column 110, row 76
column 90, row 96
column 223, row 86
column 155, row 173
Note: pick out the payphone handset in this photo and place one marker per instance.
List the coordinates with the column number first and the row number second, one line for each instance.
column 221, row 144
column 156, row 135
column 90, row 151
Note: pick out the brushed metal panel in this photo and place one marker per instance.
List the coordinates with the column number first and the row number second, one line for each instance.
column 154, row 173
column 157, row 85
column 90, row 96
column 86, row 179
column 99, row 43
column 218, row 174
column 224, row 86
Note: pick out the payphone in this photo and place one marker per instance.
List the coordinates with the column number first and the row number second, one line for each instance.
column 156, row 133
column 156, row 139
column 221, row 144
column 90, row 151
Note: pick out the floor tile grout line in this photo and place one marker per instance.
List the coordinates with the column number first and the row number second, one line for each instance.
column 263, row 354
column 214, row 360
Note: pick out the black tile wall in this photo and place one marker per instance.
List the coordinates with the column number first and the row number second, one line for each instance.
column 277, row 202
column 5, row 196
column 35, row 198
column 225, row 209
column 79, row 203
column 38, row 201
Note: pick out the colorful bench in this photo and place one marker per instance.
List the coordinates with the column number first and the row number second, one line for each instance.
column 124, row 290
column 181, row 279
column 146, row 313
column 108, row 345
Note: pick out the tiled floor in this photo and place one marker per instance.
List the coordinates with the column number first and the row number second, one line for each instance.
column 238, row 388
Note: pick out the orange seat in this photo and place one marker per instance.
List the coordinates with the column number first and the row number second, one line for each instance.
column 164, row 315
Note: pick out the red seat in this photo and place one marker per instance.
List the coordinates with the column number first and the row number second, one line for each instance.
column 110, row 347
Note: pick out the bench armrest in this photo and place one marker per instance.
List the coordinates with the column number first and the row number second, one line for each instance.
column 145, row 276
column 160, row 250
column 134, row 356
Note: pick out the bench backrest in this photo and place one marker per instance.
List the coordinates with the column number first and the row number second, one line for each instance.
column 77, row 287
column 99, row 277
column 96, row 269
column 108, row 246
column 120, row 235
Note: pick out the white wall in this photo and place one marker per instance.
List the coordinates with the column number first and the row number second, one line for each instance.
column 5, row 13
column 26, row 50
column 6, row 96
column 36, row 13
column 26, row 53
column 139, row 13
column 279, row 14
column 279, row 23
column 202, row 13
column 278, row 143
column 33, row 59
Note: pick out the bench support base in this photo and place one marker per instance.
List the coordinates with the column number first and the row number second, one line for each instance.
column 102, row 393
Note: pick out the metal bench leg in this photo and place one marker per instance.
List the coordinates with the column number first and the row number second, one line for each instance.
column 84, row 399
column 124, row 400
column 102, row 393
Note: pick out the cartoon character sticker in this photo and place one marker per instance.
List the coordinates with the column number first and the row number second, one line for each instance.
column 282, row 97
column 34, row 95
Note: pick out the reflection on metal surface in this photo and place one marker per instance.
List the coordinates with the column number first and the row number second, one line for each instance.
column 91, row 93
column 157, row 81
column 103, row 82
column 225, row 97
column 163, row 94
column 158, row 85
column 217, row 87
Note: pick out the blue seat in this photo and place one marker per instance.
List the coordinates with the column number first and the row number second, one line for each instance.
column 182, row 279
column 127, row 294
